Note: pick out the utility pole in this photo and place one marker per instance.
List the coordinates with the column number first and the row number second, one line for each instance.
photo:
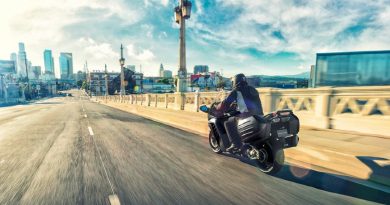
column 106, row 78
column 89, row 78
column 182, row 12
column 142, row 84
column 28, row 81
column 122, row 63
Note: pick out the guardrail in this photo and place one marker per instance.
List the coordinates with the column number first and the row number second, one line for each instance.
column 362, row 109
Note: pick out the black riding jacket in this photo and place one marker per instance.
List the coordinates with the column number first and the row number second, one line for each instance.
column 251, row 98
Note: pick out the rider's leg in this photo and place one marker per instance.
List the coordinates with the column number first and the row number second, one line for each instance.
column 232, row 132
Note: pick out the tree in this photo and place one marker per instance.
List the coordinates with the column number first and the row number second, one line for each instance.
column 84, row 85
column 221, row 83
column 164, row 81
column 80, row 83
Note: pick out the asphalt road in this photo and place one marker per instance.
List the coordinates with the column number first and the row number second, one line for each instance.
column 72, row 151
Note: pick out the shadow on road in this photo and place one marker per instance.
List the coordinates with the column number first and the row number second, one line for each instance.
column 331, row 182
column 380, row 173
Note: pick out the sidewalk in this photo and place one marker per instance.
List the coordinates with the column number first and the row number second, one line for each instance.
column 362, row 157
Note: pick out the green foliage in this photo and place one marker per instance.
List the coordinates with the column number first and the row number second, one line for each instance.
column 221, row 84
column 85, row 85
column 79, row 83
column 164, row 81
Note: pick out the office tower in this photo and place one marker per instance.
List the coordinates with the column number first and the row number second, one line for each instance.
column 49, row 62
column 66, row 65
column 161, row 73
column 22, row 61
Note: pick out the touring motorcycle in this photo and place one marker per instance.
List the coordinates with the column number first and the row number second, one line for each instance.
column 263, row 138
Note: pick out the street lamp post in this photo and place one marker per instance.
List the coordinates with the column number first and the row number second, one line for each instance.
column 28, row 80
column 106, row 78
column 122, row 63
column 182, row 12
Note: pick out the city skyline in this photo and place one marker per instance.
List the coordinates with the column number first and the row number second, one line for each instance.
column 231, row 35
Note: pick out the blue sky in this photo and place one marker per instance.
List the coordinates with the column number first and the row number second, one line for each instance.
column 249, row 36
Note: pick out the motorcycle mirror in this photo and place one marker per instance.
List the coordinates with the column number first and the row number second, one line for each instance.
column 204, row 108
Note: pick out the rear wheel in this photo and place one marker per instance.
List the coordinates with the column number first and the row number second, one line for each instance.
column 214, row 143
column 272, row 162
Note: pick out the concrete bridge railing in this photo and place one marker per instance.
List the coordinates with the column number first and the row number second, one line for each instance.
column 362, row 109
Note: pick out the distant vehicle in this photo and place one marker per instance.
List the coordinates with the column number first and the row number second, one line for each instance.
column 263, row 137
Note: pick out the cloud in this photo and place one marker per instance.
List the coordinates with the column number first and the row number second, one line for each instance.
column 254, row 37
column 148, row 3
column 139, row 54
column 302, row 27
column 162, row 35
column 165, row 2
column 98, row 51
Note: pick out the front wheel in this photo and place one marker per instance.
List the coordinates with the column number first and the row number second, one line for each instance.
column 214, row 143
column 273, row 161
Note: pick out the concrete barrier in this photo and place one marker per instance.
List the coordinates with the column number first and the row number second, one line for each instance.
column 340, row 108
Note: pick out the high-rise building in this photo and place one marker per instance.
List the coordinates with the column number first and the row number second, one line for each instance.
column 167, row 74
column 29, row 69
column 201, row 69
column 358, row 68
column 161, row 71
column 66, row 65
column 22, row 61
column 36, row 72
column 49, row 62
column 14, row 58
column 7, row 67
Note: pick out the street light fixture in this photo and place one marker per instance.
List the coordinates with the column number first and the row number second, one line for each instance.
column 182, row 12
column 186, row 9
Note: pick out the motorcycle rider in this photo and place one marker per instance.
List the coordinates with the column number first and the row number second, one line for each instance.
column 248, row 104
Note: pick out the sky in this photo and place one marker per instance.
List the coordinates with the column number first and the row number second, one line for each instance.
column 278, row 37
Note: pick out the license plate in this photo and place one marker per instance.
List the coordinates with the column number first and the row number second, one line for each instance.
column 282, row 133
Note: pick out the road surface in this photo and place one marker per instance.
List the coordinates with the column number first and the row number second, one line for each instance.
column 70, row 150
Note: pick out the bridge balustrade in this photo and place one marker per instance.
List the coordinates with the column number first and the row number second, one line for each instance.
column 364, row 109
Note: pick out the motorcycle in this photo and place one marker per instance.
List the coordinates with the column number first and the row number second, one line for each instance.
column 263, row 138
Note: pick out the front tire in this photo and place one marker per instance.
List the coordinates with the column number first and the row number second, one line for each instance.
column 214, row 143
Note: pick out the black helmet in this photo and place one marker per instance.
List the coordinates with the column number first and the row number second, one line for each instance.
column 239, row 80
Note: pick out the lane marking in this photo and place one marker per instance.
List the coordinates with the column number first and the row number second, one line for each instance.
column 114, row 200
column 104, row 167
column 90, row 130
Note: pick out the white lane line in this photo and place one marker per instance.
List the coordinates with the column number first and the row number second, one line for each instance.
column 90, row 131
column 114, row 200
column 104, row 167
